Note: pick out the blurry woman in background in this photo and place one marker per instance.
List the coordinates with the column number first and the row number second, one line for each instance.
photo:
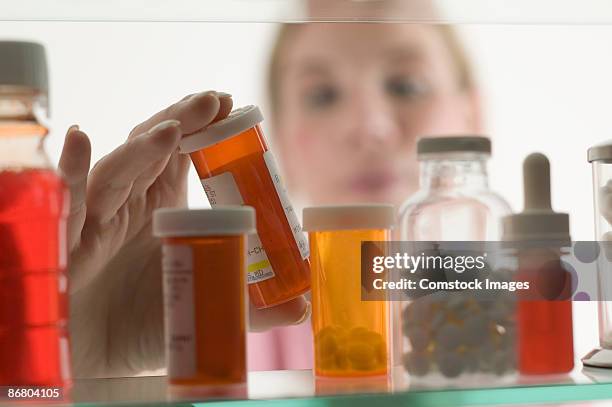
column 348, row 103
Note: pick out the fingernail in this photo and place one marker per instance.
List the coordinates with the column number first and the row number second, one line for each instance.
column 207, row 93
column 214, row 93
column 306, row 314
column 164, row 125
column 72, row 128
column 223, row 95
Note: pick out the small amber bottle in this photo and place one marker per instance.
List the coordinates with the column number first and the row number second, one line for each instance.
column 203, row 266
column 351, row 336
column 237, row 168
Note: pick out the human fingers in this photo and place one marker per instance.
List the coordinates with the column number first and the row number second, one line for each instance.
column 74, row 167
column 225, row 107
column 293, row 312
column 112, row 178
column 194, row 112
column 174, row 175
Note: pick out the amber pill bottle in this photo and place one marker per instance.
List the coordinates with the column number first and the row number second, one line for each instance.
column 236, row 167
column 351, row 336
column 205, row 309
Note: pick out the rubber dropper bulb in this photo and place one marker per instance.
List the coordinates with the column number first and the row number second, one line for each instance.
column 538, row 221
column 536, row 183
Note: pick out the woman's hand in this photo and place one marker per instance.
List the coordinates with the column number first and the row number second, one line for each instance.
column 116, row 316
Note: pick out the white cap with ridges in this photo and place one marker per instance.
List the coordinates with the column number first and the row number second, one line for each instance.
column 238, row 121
column 349, row 217
column 220, row 221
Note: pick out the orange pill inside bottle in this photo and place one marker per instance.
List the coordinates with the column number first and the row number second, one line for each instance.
column 351, row 336
column 205, row 309
column 236, row 167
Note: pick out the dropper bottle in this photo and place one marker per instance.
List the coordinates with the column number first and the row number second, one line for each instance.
column 541, row 236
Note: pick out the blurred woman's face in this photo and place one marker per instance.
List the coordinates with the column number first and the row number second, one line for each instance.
column 353, row 100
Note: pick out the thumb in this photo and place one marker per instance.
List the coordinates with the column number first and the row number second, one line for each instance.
column 293, row 312
column 74, row 167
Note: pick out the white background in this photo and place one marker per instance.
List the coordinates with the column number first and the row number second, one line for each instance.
column 473, row 11
column 547, row 88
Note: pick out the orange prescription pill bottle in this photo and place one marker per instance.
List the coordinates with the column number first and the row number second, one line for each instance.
column 351, row 336
column 205, row 309
column 236, row 167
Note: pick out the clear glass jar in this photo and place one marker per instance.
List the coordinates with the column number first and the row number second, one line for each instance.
column 450, row 334
column 600, row 157
column 34, row 206
column 454, row 201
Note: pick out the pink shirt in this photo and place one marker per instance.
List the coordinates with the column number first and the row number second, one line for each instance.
column 281, row 348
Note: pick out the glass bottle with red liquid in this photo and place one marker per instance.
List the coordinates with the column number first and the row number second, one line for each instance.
column 540, row 237
column 34, row 205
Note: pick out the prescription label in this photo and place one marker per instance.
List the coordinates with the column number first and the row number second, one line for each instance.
column 177, row 263
column 222, row 190
column 294, row 223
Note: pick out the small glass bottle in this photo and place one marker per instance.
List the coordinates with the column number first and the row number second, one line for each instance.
column 350, row 335
column 446, row 336
column 600, row 157
column 34, row 205
column 236, row 167
column 541, row 238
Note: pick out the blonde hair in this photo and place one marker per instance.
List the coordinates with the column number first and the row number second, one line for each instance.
column 464, row 70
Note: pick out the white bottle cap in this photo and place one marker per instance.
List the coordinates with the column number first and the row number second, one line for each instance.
column 343, row 217
column 24, row 65
column 453, row 144
column 238, row 121
column 538, row 221
column 220, row 221
column 600, row 152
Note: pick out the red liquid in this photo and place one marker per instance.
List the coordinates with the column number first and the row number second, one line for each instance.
column 33, row 286
column 545, row 338
column 545, row 333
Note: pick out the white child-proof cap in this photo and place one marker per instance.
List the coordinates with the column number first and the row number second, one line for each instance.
column 220, row 221
column 346, row 217
column 238, row 121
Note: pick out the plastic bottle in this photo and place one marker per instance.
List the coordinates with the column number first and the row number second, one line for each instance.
column 236, row 167
column 34, row 205
column 350, row 335
column 204, row 271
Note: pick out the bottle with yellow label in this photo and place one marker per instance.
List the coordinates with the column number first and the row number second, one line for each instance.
column 236, row 167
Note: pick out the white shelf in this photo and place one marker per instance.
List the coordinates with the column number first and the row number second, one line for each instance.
column 449, row 11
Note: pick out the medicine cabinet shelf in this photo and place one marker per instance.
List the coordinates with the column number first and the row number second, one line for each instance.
column 434, row 11
column 297, row 388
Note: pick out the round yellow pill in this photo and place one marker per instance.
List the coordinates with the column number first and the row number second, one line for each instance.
column 361, row 355
column 342, row 362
